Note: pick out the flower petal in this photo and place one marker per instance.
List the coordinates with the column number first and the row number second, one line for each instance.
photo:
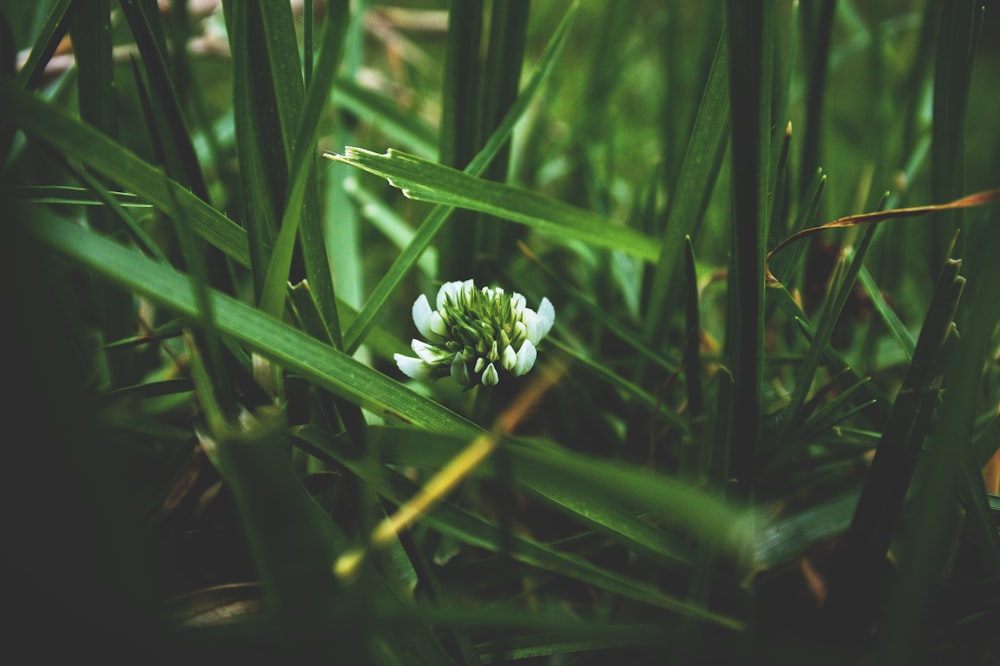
column 413, row 367
column 422, row 316
column 428, row 353
column 546, row 317
column 439, row 329
column 509, row 360
column 490, row 376
column 459, row 371
column 468, row 287
column 526, row 356
column 517, row 303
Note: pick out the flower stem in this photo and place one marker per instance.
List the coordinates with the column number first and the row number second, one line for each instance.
column 481, row 405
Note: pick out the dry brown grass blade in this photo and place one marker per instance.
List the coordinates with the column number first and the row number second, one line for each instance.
column 970, row 201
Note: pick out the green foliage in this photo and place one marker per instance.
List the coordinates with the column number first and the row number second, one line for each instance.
column 701, row 467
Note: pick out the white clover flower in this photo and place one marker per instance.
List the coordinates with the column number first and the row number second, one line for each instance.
column 475, row 335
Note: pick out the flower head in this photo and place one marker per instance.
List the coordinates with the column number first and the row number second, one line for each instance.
column 475, row 336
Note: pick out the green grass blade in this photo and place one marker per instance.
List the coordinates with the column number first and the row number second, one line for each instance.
column 461, row 130
column 427, row 181
column 294, row 543
column 749, row 99
column 834, row 360
column 692, row 336
column 55, row 28
column 789, row 537
column 95, row 150
column 430, row 449
column 174, row 136
column 889, row 316
column 699, row 170
column 408, row 129
column 818, row 28
column 295, row 570
column 501, row 79
column 289, row 347
column 881, row 500
column 956, row 49
column 91, row 33
column 833, row 305
column 389, row 223
column 69, row 195
column 608, row 322
column 978, row 315
column 545, row 481
column 302, row 176
column 261, row 155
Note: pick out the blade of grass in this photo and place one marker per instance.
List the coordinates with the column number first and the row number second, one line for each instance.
column 389, row 223
column 260, row 333
column 117, row 201
column 958, row 38
column 91, row 33
column 612, row 324
column 71, row 195
column 836, row 363
column 749, row 99
column 476, row 531
column 692, row 342
column 699, row 170
column 833, row 305
column 949, row 442
column 95, row 150
column 293, row 543
column 889, row 316
column 502, row 77
column 56, row 25
column 613, row 379
column 818, row 22
column 175, row 138
column 261, row 156
column 416, row 448
column 406, row 128
column 461, row 130
column 302, row 179
column 427, row 181
column 850, row 605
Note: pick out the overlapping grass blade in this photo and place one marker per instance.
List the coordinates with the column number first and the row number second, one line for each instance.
column 301, row 202
column 543, row 481
column 851, row 604
column 422, row 449
column 461, row 132
column 428, row 181
column 697, row 175
column 96, row 151
column 750, row 106
column 405, row 128
column 169, row 129
column 833, row 305
column 289, row 347
column 55, row 28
